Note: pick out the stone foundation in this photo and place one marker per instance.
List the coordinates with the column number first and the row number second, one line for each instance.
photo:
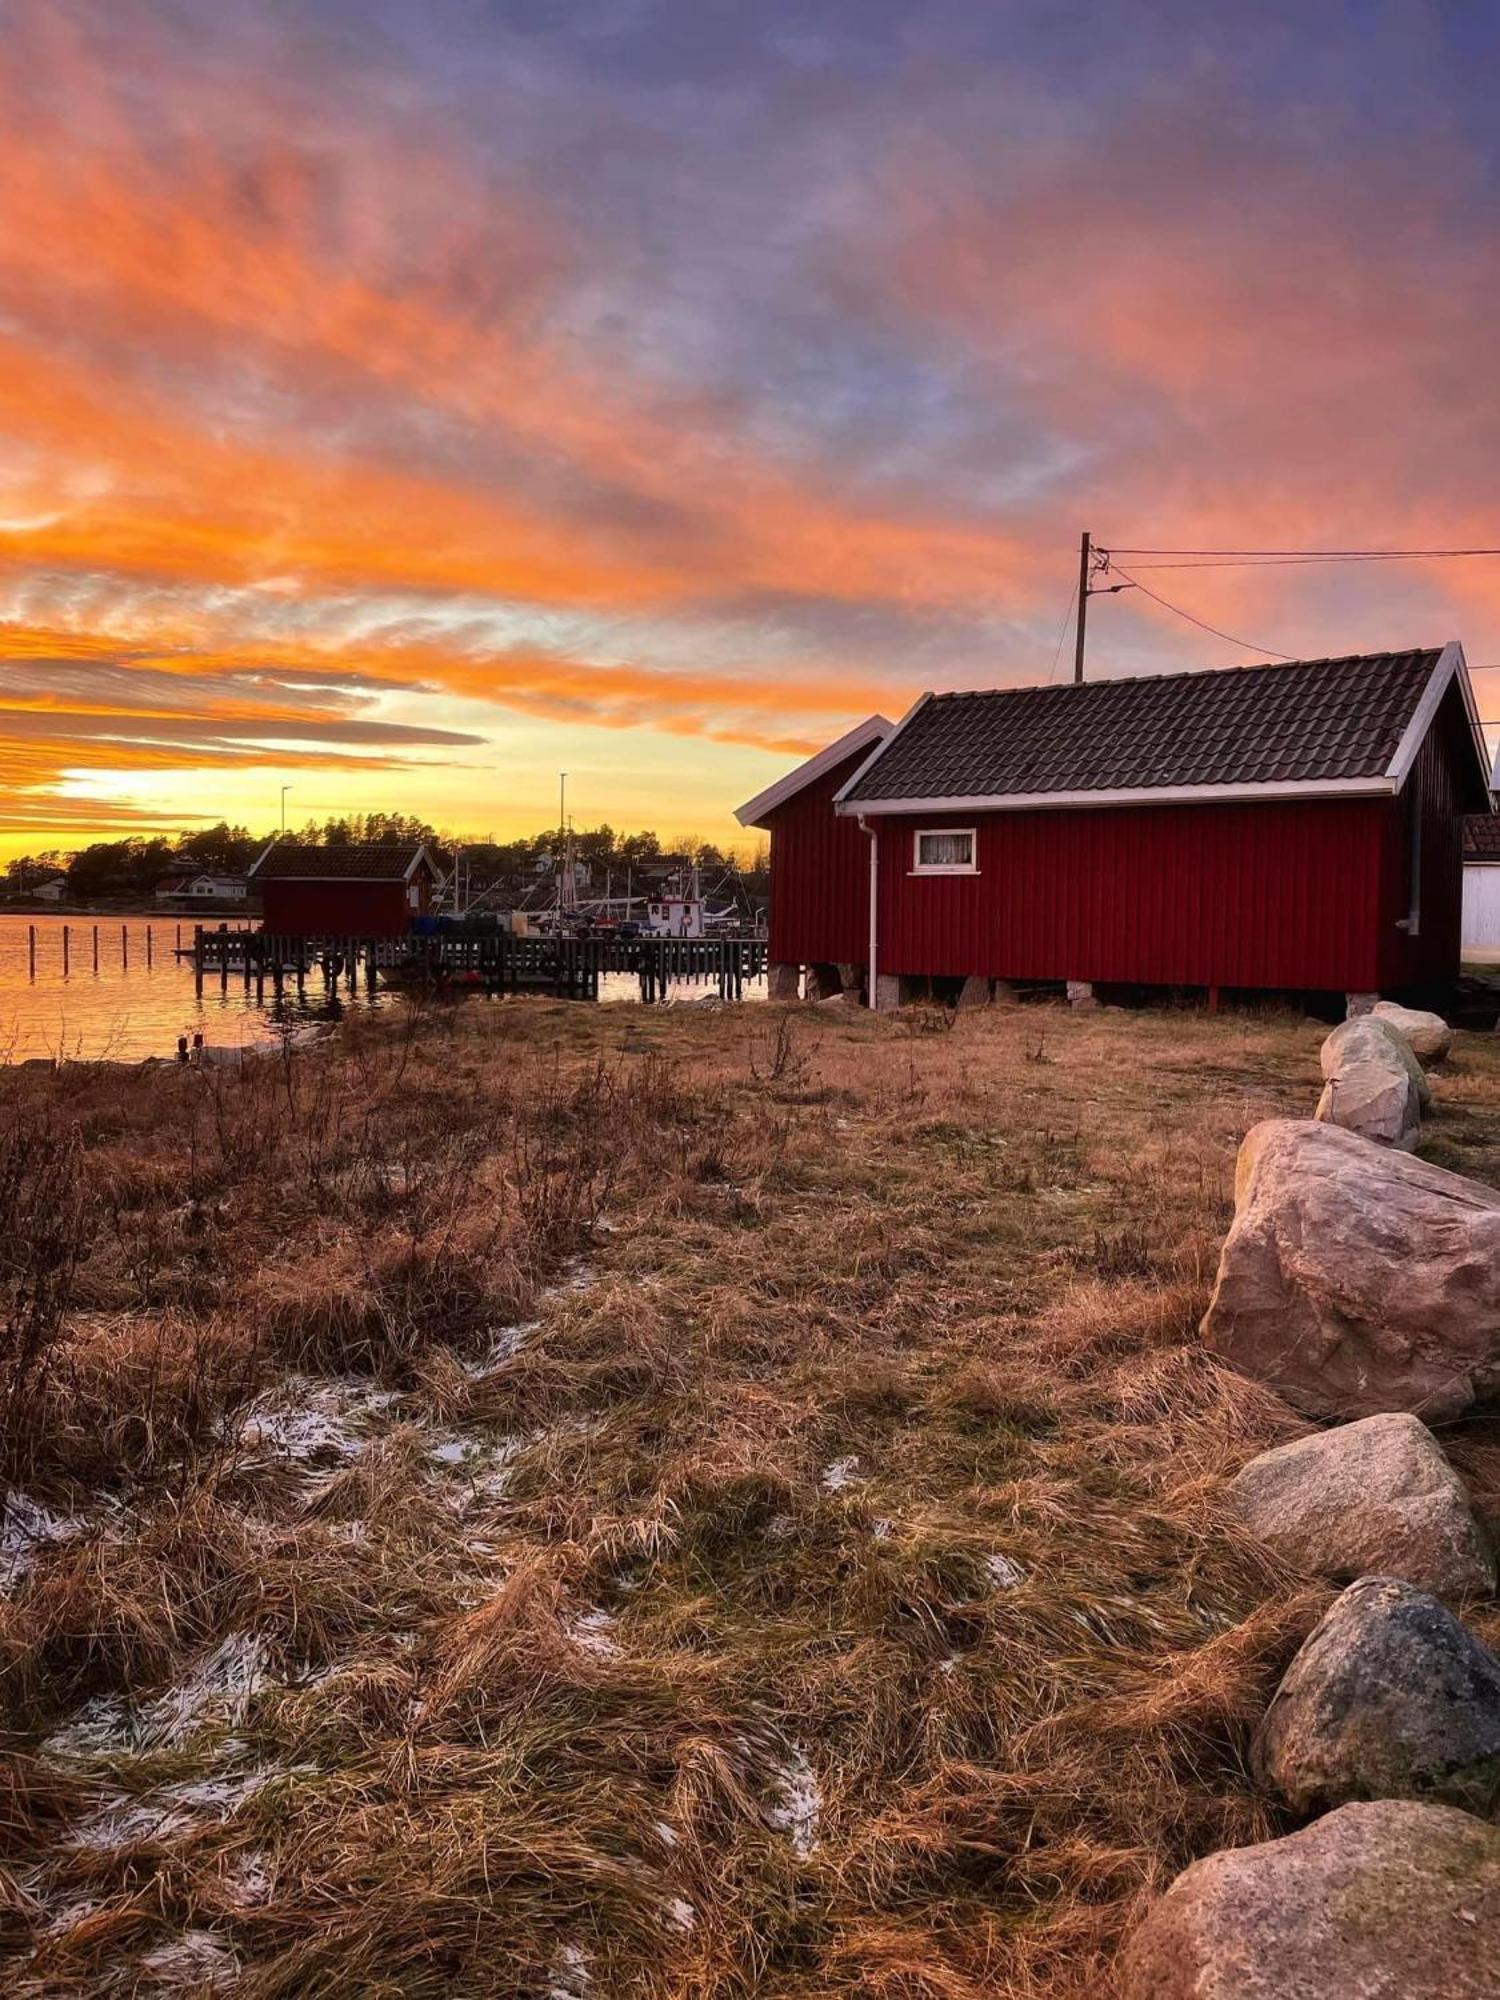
column 1081, row 993
column 783, row 982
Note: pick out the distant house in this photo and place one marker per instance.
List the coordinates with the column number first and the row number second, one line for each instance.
column 354, row 891
column 1482, row 883
column 202, row 888
column 1293, row 827
column 51, row 889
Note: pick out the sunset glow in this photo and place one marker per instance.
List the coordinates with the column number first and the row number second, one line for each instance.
column 403, row 402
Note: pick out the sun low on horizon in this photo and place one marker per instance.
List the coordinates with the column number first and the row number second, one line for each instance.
column 405, row 403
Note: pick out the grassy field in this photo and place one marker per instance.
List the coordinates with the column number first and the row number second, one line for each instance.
column 577, row 1502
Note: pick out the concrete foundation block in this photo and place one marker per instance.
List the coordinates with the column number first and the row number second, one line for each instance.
column 1358, row 1003
column 887, row 992
column 975, row 992
column 783, row 982
column 1081, row 993
column 1003, row 994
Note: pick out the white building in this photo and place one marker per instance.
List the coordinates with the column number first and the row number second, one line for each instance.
column 1482, row 886
column 202, row 888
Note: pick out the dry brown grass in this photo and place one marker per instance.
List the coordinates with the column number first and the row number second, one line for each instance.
column 827, row 1595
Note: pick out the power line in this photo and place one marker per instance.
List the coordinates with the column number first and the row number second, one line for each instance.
column 1177, row 610
column 1231, row 556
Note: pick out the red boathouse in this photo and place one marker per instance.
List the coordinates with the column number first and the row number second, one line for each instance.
column 369, row 891
column 1294, row 827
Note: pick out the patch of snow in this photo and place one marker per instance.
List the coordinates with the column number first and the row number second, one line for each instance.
column 315, row 1420
column 26, row 1529
column 196, row 1961
column 880, row 1528
column 680, row 1913
column 124, row 1821
column 505, row 1346
column 218, row 1691
column 796, row 1815
column 1004, row 1572
column 248, row 1880
column 591, row 1631
column 949, row 1665
column 571, row 1977
column 667, row 1834
column 63, row 1920
column 840, row 1474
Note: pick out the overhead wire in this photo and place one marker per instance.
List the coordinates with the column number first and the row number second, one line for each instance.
column 1177, row 611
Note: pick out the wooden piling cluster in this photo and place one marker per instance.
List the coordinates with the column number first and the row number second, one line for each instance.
column 488, row 961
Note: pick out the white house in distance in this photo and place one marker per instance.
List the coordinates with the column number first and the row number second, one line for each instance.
column 202, row 888
column 1482, row 886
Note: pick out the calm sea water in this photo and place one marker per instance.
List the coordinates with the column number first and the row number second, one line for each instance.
column 125, row 1008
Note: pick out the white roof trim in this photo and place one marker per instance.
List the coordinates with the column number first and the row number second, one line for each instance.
column 880, row 749
column 1139, row 795
column 874, row 729
column 1450, row 665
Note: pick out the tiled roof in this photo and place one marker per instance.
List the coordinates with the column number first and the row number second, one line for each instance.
column 285, row 861
column 1309, row 721
column 1482, row 837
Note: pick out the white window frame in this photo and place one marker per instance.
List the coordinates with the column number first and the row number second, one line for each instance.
column 921, row 867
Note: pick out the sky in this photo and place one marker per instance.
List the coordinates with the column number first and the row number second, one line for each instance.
column 405, row 401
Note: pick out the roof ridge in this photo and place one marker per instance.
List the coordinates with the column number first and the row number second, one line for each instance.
column 1187, row 674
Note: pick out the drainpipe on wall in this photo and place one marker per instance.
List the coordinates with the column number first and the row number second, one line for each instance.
column 873, row 973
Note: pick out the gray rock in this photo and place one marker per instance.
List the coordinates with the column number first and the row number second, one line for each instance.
column 1388, row 1901
column 1364, row 1038
column 1391, row 1698
column 975, row 992
column 783, row 982
column 1428, row 1035
column 1377, row 1497
column 1375, row 1099
column 1356, row 1279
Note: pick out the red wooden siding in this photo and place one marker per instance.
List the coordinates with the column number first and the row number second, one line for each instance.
column 1267, row 894
column 820, row 877
column 339, row 909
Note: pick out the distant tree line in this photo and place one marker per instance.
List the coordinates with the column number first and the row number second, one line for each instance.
column 129, row 869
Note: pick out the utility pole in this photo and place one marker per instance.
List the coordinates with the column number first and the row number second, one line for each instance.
column 1083, row 604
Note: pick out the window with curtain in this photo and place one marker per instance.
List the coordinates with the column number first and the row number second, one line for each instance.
column 945, row 851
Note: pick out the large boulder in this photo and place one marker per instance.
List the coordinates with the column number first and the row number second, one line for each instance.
column 1391, row 1698
column 975, row 992
column 1355, row 1278
column 1428, row 1035
column 1375, row 1099
column 783, row 982
column 1376, row 1497
column 1364, row 1038
column 1388, row 1901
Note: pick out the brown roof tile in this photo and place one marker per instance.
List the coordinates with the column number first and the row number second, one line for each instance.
column 286, row 861
column 1305, row 722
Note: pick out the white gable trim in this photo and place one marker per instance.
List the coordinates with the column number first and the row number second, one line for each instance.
column 874, row 729
column 1450, row 665
column 878, row 752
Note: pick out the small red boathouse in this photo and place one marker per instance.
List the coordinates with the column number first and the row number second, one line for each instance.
column 370, row 891
column 1294, row 827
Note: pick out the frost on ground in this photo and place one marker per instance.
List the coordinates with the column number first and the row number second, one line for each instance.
column 217, row 1692
column 570, row 1977
column 840, row 1474
column 123, row 1821
column 796, row 1812
column 592, row 1631
column 1004, row 1572
column 315, row 1422
column 197, row 1962
column 26, row 1529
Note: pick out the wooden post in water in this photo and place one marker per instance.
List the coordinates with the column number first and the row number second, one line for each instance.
column 124, row 947
column 96, row 947
column 197, row 957
column 148, row 948
column 31, row 950
column 65, row 951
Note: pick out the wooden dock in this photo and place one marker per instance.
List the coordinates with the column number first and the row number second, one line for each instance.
column 478, row 960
